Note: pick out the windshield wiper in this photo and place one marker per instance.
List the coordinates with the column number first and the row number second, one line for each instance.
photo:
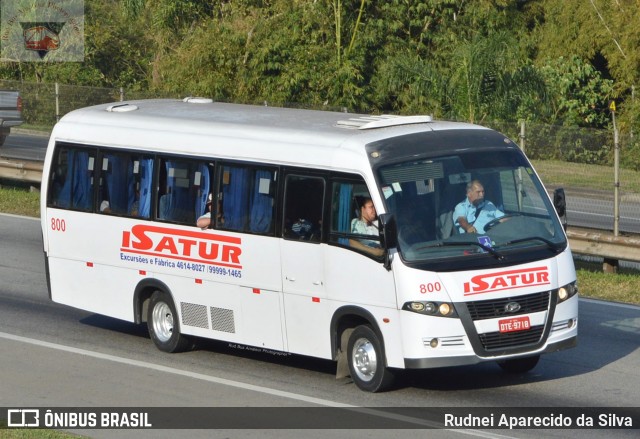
column 550, row 244
column 486, row 248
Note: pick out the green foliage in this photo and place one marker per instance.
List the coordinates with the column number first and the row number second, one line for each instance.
column 406, row 83
column 116, row 54
column 592, row 30
column 478, row 61
column 489, row 78
column 630, row 154
column 579, row 96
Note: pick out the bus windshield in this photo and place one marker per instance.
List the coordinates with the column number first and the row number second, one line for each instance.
column 482, row 204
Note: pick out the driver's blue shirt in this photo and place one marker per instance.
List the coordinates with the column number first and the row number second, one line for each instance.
column 466, row 209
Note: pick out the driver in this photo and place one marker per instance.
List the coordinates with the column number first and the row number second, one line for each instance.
column 474, row 212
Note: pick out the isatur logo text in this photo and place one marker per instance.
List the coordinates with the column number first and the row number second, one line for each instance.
column 189, row 246
column 507, row 280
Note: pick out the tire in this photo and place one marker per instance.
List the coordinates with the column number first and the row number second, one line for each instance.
column 163, row 324
column 519, row 365
column 367, row 361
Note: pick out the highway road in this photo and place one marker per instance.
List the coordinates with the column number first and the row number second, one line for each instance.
column 54, row 356
column 25, row 145
column 591, row 209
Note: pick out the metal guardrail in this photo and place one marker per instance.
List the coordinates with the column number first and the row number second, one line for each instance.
column 21, row 170
column 605, row 245
column 583, row 241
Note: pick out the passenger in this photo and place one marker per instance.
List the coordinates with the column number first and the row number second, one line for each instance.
column 204, row 221
column 367, row 224
column 135, row 206
column 105, row 207
column 474, row 212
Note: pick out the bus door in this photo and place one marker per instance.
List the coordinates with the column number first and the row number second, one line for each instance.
column 303, row 273
column 302, row 268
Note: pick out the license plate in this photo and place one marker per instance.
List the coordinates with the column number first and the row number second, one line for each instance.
column 514, row 324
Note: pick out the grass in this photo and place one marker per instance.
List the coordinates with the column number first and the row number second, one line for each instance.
column 621, row 287
column 29, row 433
column 45, row 129
column 556, row 173
column 19, row 200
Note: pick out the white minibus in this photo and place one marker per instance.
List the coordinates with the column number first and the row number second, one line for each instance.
column 379, row 242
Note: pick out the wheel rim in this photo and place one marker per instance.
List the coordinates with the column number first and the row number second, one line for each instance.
column 364, row 359
column 162, row 322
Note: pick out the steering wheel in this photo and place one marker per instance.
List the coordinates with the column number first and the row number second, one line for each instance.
column 496, row 221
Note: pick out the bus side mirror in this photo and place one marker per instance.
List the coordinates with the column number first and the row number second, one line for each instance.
column 388, row 231
column 560, row 203
column 388, row 236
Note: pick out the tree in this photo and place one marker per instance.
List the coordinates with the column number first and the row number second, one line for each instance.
column 579, row 96
column 448, row 59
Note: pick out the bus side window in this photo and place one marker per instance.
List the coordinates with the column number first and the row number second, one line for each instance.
column 73, row 178
column 235, row 197
column 246, row 199
column 346, row 202
column 304, row 198
column 60, row 186
column 125, row 184
column 184, row 188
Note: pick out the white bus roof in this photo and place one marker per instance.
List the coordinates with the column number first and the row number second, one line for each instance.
column 201, row 127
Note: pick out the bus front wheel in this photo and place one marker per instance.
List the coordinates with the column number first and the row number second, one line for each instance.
column 366, row 360
column 163, row 325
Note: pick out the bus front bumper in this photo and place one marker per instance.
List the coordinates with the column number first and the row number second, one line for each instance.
column 430, row 363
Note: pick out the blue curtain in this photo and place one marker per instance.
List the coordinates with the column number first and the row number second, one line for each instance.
column 120, row 186
column 76, row 192
column 177, row 204
column 235, row 198
column 146, row 180
column 261, row 206
column 82, row 181
column 344, row 211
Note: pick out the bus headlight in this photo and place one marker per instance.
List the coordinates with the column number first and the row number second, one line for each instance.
column 437, row 309
column 567, row 291
column 445, row 309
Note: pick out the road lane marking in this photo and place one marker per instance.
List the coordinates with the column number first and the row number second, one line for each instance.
column 166, row 369
column 245, row 386
column 11, row 215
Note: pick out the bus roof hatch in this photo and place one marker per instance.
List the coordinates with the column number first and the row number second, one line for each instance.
column 382, row 121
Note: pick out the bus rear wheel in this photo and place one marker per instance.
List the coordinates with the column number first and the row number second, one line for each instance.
column 163, row 325
column 519, row 365
column 366, row 360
